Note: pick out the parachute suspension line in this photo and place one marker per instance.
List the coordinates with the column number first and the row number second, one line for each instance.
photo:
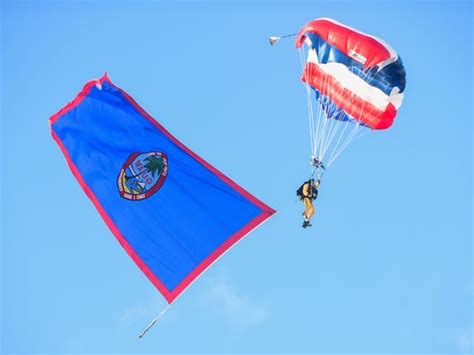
column 314, row 124
column 310, row 110
column 357, row 127
column 312, row 132
column 338, row 141
column 350, row 136
column 156, row 319
column 343, row 133
column 329, row 122
column 314, row 119
column 331, row 125
column 311, row 120
column 345, row 137
column 323, row 123
column 333, row 129
column 319, row 125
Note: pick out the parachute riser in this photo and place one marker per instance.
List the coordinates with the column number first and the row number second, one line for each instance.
column 318, row 167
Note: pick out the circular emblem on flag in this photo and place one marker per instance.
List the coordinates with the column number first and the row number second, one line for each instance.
column 142, row 175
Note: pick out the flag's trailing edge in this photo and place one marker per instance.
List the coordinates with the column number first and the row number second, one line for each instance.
column 171, row 211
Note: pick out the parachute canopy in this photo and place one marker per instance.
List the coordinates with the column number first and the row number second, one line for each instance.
column 172, row 212
column 357, row 80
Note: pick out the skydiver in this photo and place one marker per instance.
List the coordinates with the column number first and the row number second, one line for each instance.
column 308, row 192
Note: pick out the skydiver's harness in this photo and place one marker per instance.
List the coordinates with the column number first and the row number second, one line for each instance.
column 313, row 192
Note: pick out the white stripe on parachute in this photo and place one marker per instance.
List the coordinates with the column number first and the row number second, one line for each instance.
column 357, row 85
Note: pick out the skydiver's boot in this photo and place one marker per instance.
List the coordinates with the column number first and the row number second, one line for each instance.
column 306, row 224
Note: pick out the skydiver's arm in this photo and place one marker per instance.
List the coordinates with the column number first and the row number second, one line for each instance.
column 317, row 183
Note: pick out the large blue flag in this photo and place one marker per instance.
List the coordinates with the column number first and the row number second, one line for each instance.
column 171, row 211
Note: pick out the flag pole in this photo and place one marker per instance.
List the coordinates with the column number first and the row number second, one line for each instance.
column 153, row 322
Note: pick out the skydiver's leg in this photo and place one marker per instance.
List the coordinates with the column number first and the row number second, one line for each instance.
column 308, row 212
column 310, row 209
column 306, row 208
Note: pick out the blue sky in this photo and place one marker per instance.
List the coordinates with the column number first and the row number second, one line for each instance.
column 386, row 267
